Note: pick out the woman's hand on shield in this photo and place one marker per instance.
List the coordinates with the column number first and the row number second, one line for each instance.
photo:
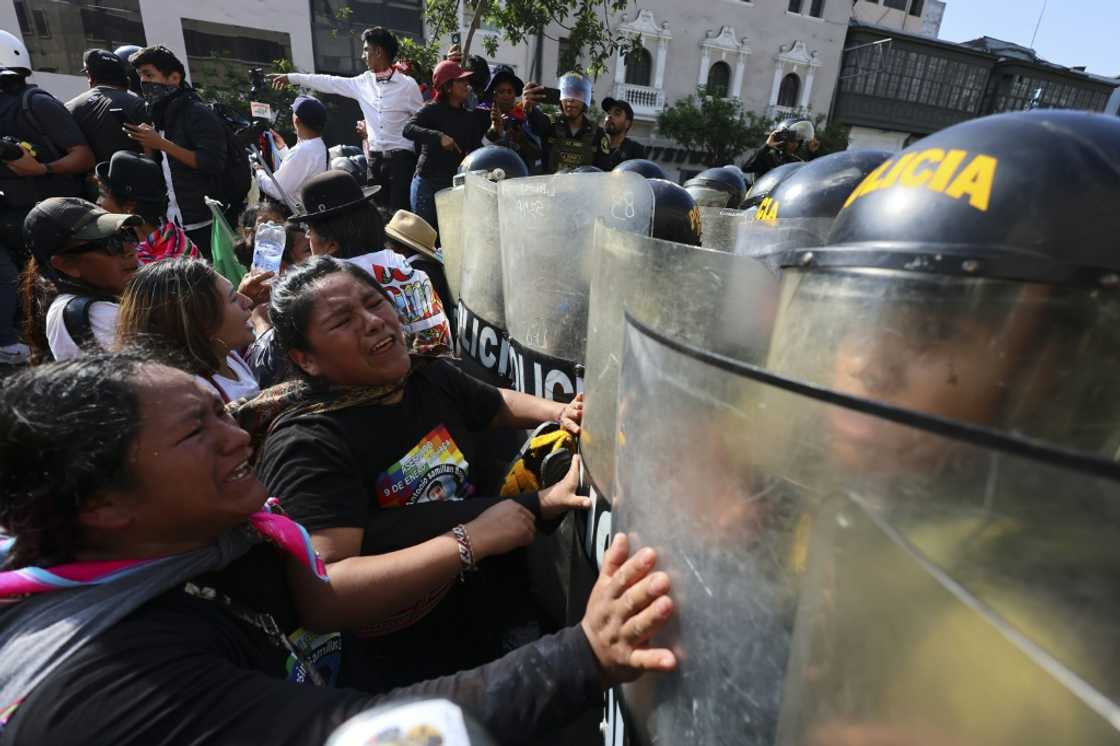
column 561, row 497
column 571, row 416
column 629, row 604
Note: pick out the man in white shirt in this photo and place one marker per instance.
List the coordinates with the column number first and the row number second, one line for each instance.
column 305, row 159
column 388, row 99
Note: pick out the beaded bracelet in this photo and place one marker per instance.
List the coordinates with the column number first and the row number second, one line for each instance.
column 466, row 552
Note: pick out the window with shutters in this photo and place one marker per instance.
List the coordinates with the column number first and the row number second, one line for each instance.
column 639, row 67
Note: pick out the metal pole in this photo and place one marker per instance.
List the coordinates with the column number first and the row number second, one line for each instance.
column 1041, row 13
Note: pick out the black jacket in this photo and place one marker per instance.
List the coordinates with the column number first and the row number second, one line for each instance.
column 190, row 123
column 767, row 158
column 436, row 119
column 103, row 128
column 627, row 151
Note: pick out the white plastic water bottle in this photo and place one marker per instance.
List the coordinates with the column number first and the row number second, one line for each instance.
column 268, row 247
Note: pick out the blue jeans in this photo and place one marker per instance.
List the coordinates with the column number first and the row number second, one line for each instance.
column 423, row 195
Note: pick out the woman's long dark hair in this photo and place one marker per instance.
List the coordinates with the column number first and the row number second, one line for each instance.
column 65, row 433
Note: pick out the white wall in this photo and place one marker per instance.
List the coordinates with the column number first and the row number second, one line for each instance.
column 876, row 139
column 163, row 24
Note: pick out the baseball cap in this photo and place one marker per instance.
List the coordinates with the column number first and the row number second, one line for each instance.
column 311, row 111
column 447, row 71
column 56, row 221
column 104, row 66
column 610, row 103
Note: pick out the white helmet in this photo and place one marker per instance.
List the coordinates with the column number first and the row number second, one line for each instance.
column 13, row 54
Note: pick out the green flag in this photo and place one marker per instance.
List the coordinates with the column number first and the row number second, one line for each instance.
column 221, row 246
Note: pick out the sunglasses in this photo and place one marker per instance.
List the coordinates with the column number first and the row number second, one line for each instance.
column 115, row 245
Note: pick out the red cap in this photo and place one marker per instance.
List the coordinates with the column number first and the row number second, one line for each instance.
column 447, row 71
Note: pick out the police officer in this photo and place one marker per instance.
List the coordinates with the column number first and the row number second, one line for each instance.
column 782, row 146
column 573, row 139
column 617, row 123
column 102, row 111
column 55, row 157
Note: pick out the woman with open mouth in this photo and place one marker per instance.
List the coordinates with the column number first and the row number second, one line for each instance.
column 373, row 453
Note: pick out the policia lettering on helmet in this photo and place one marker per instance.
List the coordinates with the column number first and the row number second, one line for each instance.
column 573, row 139
column 54, row 158
column 782, row 147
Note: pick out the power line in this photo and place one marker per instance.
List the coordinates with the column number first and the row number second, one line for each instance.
column 1037, row 25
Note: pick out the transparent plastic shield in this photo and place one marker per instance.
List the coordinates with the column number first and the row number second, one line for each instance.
column 758, row 238
column 547, row 225
column 670, row 286
column 850, row 573
column 449, row 209
column 719, row 227
column 481, row 284
column 1039, row 360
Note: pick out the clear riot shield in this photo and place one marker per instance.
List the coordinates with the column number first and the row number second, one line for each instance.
column 449, row 209
column 547, row 225
column 482, row 315
column 672, row 285
column 849, row 572
column 719, row 227
column 761, row 237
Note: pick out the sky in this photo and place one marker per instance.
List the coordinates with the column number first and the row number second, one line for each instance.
column 1073, row 32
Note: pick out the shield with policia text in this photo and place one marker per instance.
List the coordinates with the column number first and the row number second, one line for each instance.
column 482, row 314
column 547, row 234
column 449, row 209
column 850, row 571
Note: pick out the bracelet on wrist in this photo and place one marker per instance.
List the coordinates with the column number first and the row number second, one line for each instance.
column 466, row 551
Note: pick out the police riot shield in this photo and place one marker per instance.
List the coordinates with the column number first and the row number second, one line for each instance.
column 848, row 571
column 719, row 227
column 449, row 210
column 711, row 299
column 547, row 226
column 765, row 235
column 482, row 314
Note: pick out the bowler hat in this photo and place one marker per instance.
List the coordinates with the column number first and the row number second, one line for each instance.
column 503, row 73
column 132, row 176
column 331, row 193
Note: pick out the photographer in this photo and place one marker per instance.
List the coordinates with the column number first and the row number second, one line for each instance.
column 572, row 139
column 103, row 110
column 189, row 136
column 781, row 147
column 45, row 155
column 307, row 158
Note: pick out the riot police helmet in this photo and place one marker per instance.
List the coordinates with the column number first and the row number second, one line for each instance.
column 798, row 213
column 587, row 170
column 14, row 58
column 343, row 151
column 125, row 51
column 675, row 215
column 974, row 276
column 355, row 165
column 493, row 157
column 768, row 182
column 795, row 129
column 643, row 166
column 718, row 187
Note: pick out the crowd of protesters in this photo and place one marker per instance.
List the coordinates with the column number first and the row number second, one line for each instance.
column 153, row 397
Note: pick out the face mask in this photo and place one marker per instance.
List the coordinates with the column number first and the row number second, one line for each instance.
column 154, row 93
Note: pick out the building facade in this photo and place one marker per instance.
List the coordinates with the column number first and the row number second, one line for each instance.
column 895, row 87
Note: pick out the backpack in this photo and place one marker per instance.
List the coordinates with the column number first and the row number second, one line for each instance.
column 238, row 175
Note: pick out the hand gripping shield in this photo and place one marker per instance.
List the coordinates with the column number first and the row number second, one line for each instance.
column 848, row 571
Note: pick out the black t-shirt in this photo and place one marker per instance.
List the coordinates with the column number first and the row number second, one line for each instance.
column 401, row 473
column 184, row 671
column 102, row 128
column 53, row 132
column 338, row 469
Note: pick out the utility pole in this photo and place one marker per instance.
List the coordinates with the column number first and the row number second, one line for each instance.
column 1041, row 13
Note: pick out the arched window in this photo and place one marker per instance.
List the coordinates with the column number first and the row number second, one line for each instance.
column 719, row 79
column 787, row 94
column 639, row 67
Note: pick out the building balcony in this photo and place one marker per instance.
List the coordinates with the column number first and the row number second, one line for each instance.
column 786, row 112
column 647, row 102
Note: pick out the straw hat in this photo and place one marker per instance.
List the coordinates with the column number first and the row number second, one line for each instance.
column 413, row 231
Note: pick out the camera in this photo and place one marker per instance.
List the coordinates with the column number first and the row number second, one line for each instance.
column 257, row 83
column 10, row 149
